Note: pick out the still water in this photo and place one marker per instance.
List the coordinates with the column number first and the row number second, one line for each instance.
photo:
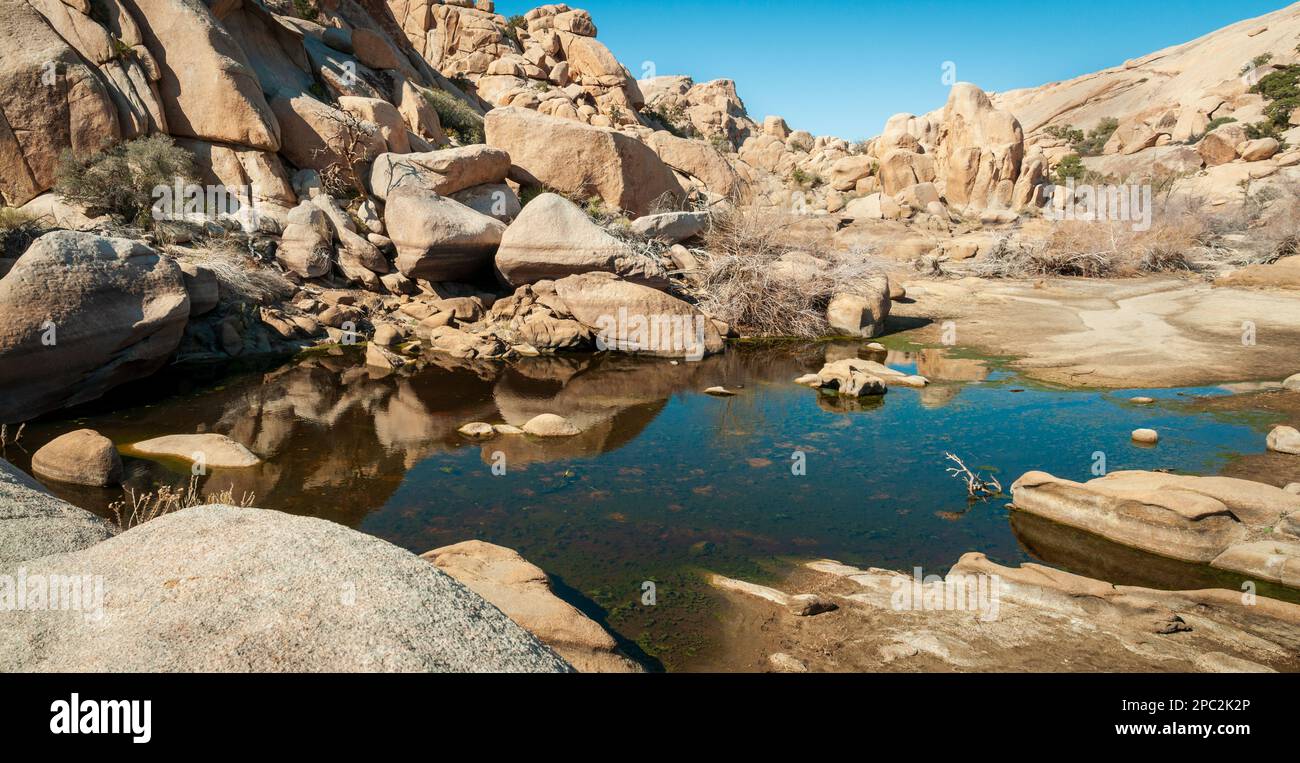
column 666, row 482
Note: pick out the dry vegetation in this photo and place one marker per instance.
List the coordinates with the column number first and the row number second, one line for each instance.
column 740, row 282
column 137, row 508
column 1185, row 236
column 236, row 266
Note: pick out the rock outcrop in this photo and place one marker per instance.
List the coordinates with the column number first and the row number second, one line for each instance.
column 34, row 523
column 223, row 589
column 84, row 314
column 1224, row 522
column 553, row 238
column 619, row 169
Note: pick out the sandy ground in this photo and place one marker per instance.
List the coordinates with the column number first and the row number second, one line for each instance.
column 1114, row 333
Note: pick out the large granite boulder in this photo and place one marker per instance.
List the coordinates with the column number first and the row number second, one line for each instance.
column 444, row 172
column 553, row 238
column 629, row 317
column 50, row 101
column 83, row 314
column 582, row 161
column 223, row 589
column 437, row 238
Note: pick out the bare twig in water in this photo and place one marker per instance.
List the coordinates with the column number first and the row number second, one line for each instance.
column 137, row 508
column 977, row 485
column 4, row 435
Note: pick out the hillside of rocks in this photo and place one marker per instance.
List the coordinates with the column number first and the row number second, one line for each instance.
column 433, row 176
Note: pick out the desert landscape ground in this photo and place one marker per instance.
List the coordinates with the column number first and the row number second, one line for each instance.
column 407, row 336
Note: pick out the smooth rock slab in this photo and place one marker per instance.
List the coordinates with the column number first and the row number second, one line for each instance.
column 214, row 450
column 523, row 591
column 223, row 589
column 83, row 457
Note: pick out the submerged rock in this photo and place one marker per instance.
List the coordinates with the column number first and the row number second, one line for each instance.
column 1146, row 436
column 214, row 450
column 550, row 425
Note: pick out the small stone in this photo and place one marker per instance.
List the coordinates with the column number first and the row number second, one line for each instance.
column 1284, row 440
column 83, row 457
column 386, row 335
column 719, row 392
column 877, row 347
column 784, row 663
column 550, row 425
column 1293, row 488
column 809, row 380
column 1146, row 436
column 1292, row 383
column 477, row 429
column 507, row 429
column 378, row 357
column 1142, row 400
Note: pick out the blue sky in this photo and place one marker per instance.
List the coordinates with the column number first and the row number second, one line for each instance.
column 843, row 68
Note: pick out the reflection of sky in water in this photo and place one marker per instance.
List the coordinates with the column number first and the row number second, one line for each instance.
column 669, row 480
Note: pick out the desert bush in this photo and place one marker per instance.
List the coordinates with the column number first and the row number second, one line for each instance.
column 739, row 282
column 121, row 180
column 461, row 122
column 674, row 120
column 1097, row 137
column 1096, row 249
column 17, row 232
column 137, row 508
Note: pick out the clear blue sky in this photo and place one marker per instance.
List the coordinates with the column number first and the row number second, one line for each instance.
column 843, row 68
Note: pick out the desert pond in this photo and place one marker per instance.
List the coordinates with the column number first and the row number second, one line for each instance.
column 666, row 482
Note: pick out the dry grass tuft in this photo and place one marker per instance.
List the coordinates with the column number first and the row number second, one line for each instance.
column 739, row 280
column 137, row 508
column 237, row 269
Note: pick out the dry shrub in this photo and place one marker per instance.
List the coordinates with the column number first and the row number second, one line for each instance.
column 1099, row 249
column 18, row 230
column 237, row 270
column 738, row 281
column 137, row 508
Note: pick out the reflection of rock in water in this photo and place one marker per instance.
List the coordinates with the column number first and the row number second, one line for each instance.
column 1095, row 557
column 338, row 438
column 833, row 403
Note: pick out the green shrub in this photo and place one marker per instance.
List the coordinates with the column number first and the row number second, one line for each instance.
column 1097, row 137
column 120, row 181
column 674, row 120
column 1070, row 167
column 1218, row 122
column 511, row 31
column 1066, row 133
column 461, row 122
column 1281, row 89
column 1256, row 62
